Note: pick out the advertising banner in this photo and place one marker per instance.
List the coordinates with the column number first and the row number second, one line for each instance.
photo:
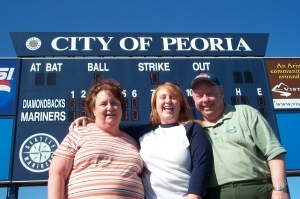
column 9, row 76
column 284, row 78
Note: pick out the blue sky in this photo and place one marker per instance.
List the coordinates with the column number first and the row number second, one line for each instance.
column 278, row 18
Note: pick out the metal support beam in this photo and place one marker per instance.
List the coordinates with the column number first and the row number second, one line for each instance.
column 12, row 192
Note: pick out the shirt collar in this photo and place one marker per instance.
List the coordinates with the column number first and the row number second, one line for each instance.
column 169, row 125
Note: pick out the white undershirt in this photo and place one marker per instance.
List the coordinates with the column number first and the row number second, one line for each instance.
column 167, row 163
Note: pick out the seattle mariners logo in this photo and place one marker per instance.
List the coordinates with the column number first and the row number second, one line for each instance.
column 33, row 43
column 36, row 152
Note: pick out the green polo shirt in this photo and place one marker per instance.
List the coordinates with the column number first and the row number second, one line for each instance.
column 242, row 142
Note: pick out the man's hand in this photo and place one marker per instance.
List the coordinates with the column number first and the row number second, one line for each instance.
column 81, row 121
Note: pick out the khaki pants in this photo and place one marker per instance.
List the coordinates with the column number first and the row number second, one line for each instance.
column 250, row 189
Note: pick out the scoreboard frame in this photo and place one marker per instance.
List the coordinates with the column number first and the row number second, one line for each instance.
column 247, row 77
column 50, row 96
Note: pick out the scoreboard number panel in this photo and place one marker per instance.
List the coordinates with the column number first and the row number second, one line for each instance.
column 53, row 90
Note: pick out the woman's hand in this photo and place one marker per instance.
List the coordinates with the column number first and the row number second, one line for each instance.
column 81, row 121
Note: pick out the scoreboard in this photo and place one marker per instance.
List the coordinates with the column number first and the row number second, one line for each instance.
column 52, row 94
column 54, row 90
column 41, row 96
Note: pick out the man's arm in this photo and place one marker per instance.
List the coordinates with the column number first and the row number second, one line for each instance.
column 277, row 168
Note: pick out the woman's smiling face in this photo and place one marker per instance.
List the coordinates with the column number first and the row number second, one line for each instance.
column 108, row 110
column 167, row 106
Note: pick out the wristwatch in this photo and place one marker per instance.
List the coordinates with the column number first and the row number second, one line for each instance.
column 279, row 188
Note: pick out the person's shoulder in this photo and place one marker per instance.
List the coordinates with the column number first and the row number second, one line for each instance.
column 247, row 111
column 200, row 122
column 137, row 128
column 243, row 107
column 193, row 125
column 128, row 136
column 147, row 130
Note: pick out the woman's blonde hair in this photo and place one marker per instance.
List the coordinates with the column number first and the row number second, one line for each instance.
column 185, row 114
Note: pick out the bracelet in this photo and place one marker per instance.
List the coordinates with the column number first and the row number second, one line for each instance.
column 279, row 188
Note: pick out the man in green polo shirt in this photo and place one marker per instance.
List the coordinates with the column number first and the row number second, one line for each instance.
column 249, row 161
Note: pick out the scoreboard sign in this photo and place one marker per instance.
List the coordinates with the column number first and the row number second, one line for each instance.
column 53, row 91
column 49, row 81
column 138, row 44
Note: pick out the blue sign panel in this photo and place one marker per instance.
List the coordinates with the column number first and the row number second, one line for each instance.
column 32, row 44
column 290, row 136
column 9, row 75
column 52, row 94
column 33, row 151
column 7, row 129
column 53, row 91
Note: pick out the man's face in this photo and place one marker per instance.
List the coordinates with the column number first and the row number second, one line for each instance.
column 208, row 100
